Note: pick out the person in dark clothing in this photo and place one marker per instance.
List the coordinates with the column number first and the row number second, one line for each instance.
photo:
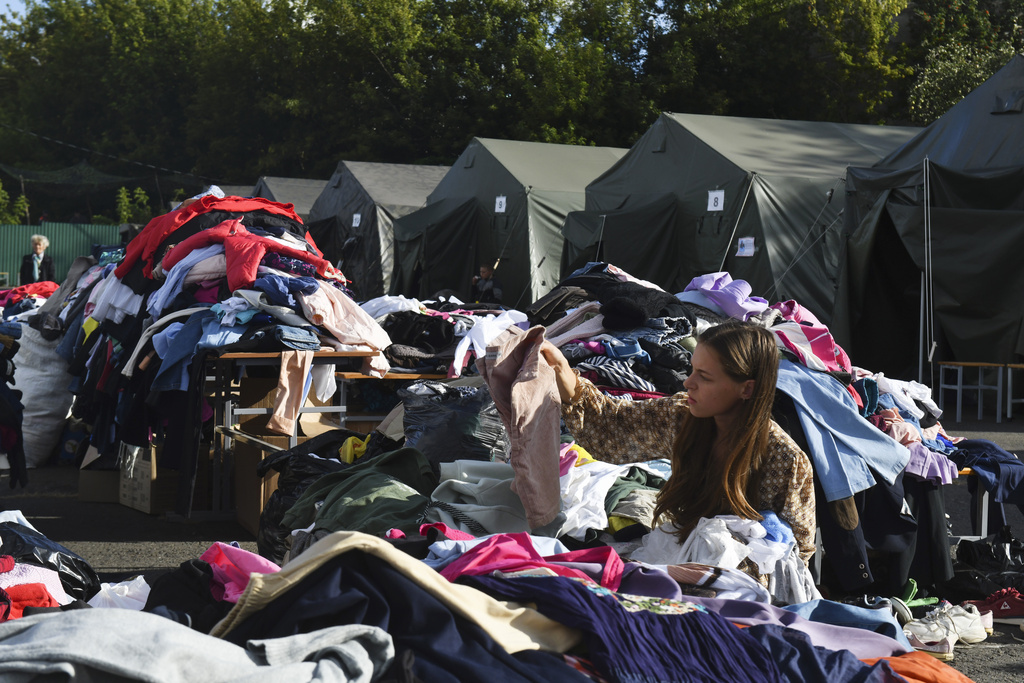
column 37, row 266
column 486, row 288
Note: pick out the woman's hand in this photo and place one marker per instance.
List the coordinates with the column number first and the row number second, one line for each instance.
column 565, row 378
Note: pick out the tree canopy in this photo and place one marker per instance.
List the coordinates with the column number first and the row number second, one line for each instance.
column 229, row 90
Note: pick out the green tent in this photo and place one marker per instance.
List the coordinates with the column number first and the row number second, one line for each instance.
column 352, row 221
column 936, row 230
column 299, row 192
column 521, row 193
column 759, row 198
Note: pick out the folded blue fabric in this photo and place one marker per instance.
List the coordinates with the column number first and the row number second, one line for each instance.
column 296, row 338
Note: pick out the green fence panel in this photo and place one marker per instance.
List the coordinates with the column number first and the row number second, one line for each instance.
column 68, row 241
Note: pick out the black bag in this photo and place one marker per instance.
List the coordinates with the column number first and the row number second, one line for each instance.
column 28, row 546
column 448, row 423
column 410, row 328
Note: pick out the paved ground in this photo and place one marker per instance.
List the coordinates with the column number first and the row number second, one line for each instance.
column 120, row 542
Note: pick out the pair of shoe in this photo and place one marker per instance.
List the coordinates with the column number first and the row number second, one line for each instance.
column 945, row 626
column 1006, row 606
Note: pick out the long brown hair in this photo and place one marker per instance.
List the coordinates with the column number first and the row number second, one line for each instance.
column 702, row 486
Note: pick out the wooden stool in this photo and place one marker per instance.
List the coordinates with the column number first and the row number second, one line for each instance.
column 980, row 386
column 1010, row 400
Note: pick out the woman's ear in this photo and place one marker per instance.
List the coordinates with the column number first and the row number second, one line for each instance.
column 748, row 389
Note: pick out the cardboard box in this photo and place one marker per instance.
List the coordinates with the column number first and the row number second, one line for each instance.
column 99, row 486
column 143, row 487
column 252, row 492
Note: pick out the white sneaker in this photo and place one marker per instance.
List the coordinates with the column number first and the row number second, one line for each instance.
column 961, row 621
column 986, row 621
column 969, row 623
column 940, row 649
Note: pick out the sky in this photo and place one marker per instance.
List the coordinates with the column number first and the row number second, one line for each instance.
column 7, row 5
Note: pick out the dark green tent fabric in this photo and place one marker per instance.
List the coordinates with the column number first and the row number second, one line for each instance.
column 444, row 233
column 972, row 161
column 352, row 220
column 522, row 192
column 759, row 198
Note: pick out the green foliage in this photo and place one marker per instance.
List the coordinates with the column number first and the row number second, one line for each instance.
column 235, row 89
column 954, row 46
column 133, row 207
column 13, row 213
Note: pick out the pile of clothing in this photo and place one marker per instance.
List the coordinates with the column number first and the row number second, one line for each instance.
column 435, row 606
column 217, row 274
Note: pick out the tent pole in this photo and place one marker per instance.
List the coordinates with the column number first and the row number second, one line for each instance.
column 736, row 225
column 920, row 340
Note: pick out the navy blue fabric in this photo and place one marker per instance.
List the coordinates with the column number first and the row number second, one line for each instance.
column 358, row 588
column 999, row 471
column 640, row 639
column 280, row 290
column 800, row 660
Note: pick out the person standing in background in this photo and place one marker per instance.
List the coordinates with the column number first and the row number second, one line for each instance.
column 37, row 266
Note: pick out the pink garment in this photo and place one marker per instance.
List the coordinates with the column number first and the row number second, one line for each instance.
column 231, row 570
column 291, row 390
column 927, row 464
column 348, row 323
column 207, row 292
column 448, row 532
column 791, row 310
column 813, row 346
column 523, row 387
column 892, row 423
column 515, row 552
column 567, row 458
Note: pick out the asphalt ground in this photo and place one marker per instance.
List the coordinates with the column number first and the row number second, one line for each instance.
column 120, row 542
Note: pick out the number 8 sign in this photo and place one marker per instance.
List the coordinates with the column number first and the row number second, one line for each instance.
column 716, row 200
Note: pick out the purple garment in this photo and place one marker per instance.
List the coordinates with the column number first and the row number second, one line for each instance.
column 641, row 639
column 288, row 264
column 927, row 464
column 732, row 296
column 834, row 626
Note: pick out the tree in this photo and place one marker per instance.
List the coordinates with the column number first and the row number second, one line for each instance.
column 827, row 60
column 13, row 213
column 133, row 207
column 954, row 46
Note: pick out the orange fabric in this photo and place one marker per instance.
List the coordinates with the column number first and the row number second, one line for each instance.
column 918, row 667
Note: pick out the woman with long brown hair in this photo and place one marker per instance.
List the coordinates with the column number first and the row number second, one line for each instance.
column 728, row 456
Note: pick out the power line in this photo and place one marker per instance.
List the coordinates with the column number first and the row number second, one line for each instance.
column 109, row 156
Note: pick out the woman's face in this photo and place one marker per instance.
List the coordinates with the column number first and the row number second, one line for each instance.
column 38, row 248
column 711, row 392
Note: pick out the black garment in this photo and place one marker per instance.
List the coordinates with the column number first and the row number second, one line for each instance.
column 46, row 270
column 184, row 595
column 360, row 588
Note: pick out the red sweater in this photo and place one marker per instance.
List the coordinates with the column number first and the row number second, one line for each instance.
column 146, row 243
column 243, row 251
